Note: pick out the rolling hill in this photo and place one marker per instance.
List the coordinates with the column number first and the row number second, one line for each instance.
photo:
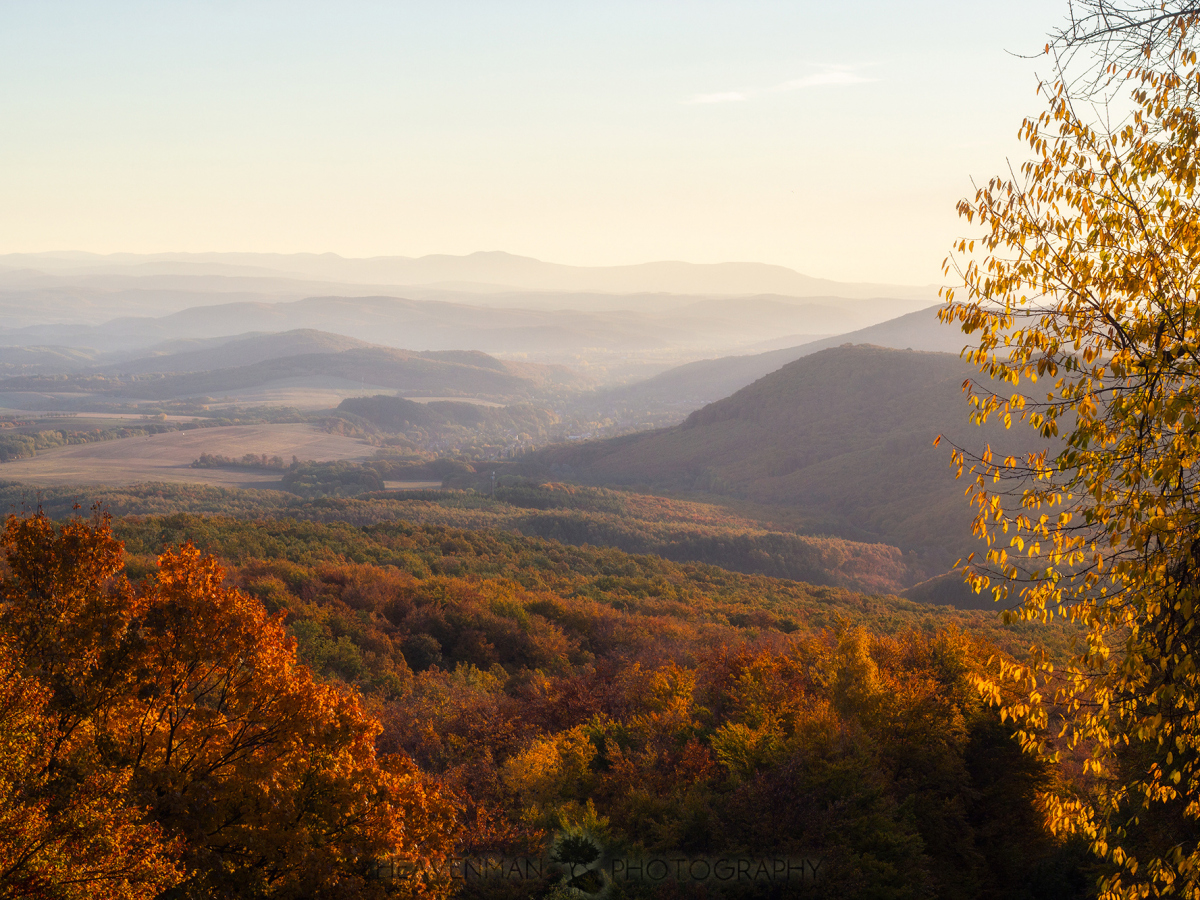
column 179, row 355
column 430, row 373
column 449, row 372
column 48, row 359
column 691, row 329
column 694, row 384
column 201, row 355
column 841, row 440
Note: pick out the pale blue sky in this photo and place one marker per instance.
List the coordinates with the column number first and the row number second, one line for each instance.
column 832, row 139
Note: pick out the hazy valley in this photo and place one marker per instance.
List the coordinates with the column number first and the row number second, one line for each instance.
column 816, row 451
column 591, row 547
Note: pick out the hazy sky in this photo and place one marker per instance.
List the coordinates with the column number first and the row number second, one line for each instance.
column 832, row 138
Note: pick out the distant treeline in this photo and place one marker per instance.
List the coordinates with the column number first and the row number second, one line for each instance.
column 340, row 478
column 247, row 461
column 678, row 530
column 331, row 479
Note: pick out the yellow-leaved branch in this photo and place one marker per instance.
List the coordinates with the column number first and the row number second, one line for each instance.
column 1083, row 303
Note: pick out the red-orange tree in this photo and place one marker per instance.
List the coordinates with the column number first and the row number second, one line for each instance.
column 66, row 833
column 189, row 695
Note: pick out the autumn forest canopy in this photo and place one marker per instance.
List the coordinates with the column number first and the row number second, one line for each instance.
column 339, row 697
column 334, row 578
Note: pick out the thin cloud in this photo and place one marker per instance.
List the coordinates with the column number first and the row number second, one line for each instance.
column 829, row 75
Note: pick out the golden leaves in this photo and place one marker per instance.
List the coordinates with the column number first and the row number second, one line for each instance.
column 1093, row 278
column 66, row 831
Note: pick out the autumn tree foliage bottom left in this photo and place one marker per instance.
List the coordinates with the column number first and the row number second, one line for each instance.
column 160, row 740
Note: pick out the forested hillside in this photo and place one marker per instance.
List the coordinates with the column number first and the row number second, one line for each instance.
column 676, row 530
column 526, row 690
column 452, row 372
column 694, row 384
column 842, row 438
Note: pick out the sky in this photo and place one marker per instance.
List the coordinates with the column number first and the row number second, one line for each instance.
column 831, row 138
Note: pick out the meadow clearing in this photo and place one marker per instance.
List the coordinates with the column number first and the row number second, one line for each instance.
column 168, row 457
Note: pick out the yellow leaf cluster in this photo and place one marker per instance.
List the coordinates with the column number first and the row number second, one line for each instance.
column 1086, row 298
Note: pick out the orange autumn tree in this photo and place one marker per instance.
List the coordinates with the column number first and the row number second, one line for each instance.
column 66, row 834
column 265, row 782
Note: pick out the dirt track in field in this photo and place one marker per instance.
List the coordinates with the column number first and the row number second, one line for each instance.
column 168, row 457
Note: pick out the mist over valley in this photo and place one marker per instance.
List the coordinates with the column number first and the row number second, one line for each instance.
column 784, row 410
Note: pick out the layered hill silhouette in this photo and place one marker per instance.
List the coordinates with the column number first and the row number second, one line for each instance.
column 694, row 384
column 692, row 327
column 841, row 439
column 623, row 322
column 481, row 271
column 201, row 355
column 49, row 359
column 432, row 373
column 175, row 356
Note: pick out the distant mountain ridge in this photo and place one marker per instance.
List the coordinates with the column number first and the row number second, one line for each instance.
column 439, row 325
column 239, row 350
column 694, row 384
column 431, row 373
column 484, row 270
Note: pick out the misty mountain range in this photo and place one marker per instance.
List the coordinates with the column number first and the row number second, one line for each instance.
column 482, row 272
column 694, row 384
column 200, row 366
column 121, row 306
column 437, row 325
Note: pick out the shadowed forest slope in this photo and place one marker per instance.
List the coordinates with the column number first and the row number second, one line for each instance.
column 694, row 384
column 842, row 438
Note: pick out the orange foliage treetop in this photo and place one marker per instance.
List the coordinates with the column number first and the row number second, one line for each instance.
column 177, row 705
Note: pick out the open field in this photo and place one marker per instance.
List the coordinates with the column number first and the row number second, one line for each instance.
column 316, row 392
column 313, row 392
column 322, row 393
column 168, row 457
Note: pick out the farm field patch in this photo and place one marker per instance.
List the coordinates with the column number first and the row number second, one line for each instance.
column 168, row 457
column 306, row 392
